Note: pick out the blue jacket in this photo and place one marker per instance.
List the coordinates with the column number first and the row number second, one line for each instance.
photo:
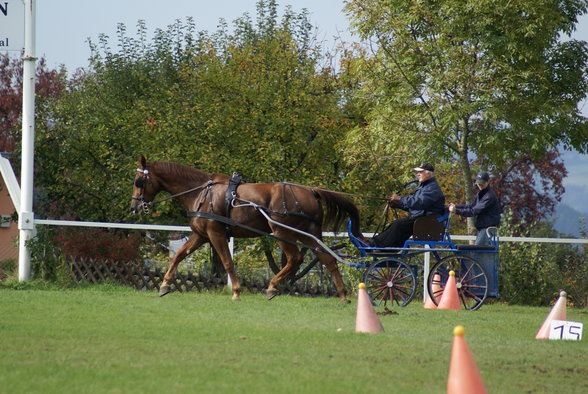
column 486, row 209
column 427, row 199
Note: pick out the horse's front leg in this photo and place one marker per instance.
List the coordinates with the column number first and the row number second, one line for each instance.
column 193, row 243
column 219, row 242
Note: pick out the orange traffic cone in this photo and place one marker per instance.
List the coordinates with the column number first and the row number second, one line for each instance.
column 450, row 299
column 429, row 304
column 464, row 376
column 558, row 312
column 366, row 319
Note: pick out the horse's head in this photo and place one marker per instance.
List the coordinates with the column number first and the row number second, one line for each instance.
column 144, row 188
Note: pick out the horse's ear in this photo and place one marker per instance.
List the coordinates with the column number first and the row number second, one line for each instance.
column 143, row 162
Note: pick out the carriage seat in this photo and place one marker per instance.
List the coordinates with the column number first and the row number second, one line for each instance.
column 430, row 228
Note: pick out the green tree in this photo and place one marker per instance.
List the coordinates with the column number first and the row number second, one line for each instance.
column 256, row 100
column 486, row 79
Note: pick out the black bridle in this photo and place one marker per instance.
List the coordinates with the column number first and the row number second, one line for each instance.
column 141, row 183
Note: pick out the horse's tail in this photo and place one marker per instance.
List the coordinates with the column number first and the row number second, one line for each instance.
column 337, row 209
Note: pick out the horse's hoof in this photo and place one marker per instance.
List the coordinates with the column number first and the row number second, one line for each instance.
column 236, row 298
column 163, row 290
column 345, row 301
column 271, row 294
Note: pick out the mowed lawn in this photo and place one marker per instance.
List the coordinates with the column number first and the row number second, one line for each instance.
column 108, row 339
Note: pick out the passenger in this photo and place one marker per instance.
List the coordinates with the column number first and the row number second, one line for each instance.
column 486, row 208
column 427, row 199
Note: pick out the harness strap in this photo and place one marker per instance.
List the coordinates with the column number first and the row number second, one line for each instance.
column 230, row 196
column 275, row 213
column 284, row 198
column 288, row 186
column 231, row 222
column 231, row 192
column 299, row 214
column 202, row 198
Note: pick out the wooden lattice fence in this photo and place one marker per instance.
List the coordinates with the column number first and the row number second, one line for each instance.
column 142, row 277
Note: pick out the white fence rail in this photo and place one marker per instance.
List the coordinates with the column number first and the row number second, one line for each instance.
column 426, row 256
column 128, row 226
column 165, row 227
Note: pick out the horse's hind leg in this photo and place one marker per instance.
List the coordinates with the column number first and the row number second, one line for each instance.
column 331, row 263
column 193, row 243
column 293, row 261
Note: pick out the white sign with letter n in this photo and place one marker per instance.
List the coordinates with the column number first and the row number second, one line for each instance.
column 12, row 25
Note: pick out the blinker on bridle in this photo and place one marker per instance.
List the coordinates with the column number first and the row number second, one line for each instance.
column 140, row 183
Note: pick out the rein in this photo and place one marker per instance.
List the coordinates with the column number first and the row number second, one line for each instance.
column 354, row 194
column 141, row 183
column 341, row 193
column 147, row 204
column 209, row 183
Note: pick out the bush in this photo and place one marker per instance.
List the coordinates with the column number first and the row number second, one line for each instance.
column 535, row 273
column 99, row 244
column 46, row 258
column 7, row 268
column 528, row 274
column 51, row 247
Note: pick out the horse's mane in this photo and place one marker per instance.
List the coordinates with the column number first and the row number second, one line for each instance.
column 179, row 170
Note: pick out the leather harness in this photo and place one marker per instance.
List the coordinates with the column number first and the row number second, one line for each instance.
column 231, row 197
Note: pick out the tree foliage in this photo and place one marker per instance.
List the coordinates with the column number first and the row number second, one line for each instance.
column 256, row 101
column 531, row 188
column 261, row 99
column 487, row 80
column 49, row 86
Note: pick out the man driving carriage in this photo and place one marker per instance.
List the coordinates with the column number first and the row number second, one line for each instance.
column 427, row 199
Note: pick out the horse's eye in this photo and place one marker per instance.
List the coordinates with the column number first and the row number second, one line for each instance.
column 140, row 182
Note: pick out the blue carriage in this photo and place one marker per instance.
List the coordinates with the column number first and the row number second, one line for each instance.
column 391, row 276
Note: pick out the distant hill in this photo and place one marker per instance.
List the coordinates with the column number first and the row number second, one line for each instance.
column 567, row 220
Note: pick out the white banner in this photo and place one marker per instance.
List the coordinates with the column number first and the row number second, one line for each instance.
column 12, row 25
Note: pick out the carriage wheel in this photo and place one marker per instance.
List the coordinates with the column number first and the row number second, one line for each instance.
column 390, row 281
column 470, row 277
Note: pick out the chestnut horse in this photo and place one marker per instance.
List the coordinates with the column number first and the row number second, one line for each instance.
column 254, row 210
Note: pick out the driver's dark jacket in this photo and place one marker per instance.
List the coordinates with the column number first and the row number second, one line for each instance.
column 427, row 199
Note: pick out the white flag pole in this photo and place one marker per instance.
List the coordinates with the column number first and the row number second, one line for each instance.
column 26, row 217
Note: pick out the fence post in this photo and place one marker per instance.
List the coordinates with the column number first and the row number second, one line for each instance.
column 426, row 268
column 231, row 250
column 26, row 223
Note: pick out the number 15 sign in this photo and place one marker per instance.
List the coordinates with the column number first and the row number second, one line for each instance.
column 563, row 329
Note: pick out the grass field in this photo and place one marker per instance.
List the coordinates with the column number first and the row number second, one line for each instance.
column 108, row 339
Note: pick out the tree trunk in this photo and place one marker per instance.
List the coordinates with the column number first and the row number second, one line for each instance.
column 466, row 169
column 467, row 182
